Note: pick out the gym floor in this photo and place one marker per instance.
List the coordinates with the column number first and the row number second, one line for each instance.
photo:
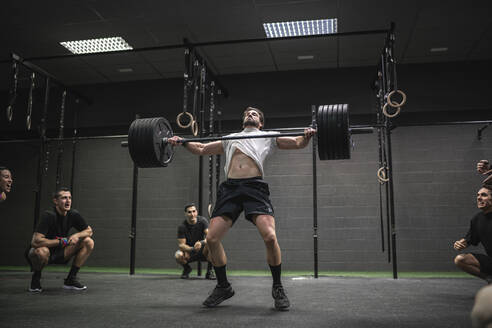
column 156, row 300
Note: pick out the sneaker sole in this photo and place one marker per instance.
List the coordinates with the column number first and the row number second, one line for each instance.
column 74, row 288
column 282, row 308
column 219, row 300
column 35, row 290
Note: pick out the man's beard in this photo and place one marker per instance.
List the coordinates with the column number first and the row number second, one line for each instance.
column 251, row 123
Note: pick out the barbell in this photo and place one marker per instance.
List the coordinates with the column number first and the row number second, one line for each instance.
column 148, row 146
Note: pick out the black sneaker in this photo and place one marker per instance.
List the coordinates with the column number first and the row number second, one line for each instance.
column 186, row 272
column 73, row 284
column 219, row 295
column 281, row 301
column 210, row 275
column 35, row 286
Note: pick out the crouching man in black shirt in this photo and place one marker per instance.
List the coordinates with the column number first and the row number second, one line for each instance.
column 52, row 244
column 191, row 242
column 480, row 231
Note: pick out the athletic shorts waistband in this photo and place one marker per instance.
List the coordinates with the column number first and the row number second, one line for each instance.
column 231, row 180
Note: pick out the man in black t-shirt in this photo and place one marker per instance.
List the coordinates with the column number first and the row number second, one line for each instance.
column 52, row 244
column 191, row 242
column 480, row 231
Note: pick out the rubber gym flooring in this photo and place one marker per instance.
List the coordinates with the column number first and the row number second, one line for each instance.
column 156, row 300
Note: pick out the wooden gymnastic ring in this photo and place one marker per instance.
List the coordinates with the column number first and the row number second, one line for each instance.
column 194, row 128
column 178, row 120
column 385, row 111
column 394, row 103
column 10, row 113
column 28, row 122
column 210, row 210
column 382, row 175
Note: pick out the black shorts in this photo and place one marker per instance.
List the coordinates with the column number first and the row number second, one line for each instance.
column 235, row 195
column 197, row 256
column 485, row 263
column 57, row 256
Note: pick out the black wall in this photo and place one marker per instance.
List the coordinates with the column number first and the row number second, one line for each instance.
column 435, row 181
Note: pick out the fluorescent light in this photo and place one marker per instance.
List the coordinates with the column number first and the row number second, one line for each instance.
column 306, row 57
column 96, row 45
column 125, row 70
column 441, row 49
column 301, row 28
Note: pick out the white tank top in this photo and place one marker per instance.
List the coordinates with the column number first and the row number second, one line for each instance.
column 257, row 149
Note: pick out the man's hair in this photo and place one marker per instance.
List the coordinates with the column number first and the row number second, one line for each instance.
column 488, row 187
column 262, row 116
column 3, row 168
column 187, row 206
column 57, row 193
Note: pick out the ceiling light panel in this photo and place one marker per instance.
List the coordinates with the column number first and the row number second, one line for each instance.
column 97, row 45
column 301, row 28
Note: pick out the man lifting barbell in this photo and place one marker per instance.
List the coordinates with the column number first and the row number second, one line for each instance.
column 245, row 190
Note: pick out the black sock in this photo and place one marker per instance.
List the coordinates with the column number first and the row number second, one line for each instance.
column 220, row 273
column 209, row 266
column 73, row 272
column 276, row 272
column 36, row 275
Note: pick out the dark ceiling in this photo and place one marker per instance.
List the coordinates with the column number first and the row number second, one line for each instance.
column 35, row 28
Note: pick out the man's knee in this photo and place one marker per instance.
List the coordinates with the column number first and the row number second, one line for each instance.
column 88, row 243
column 180, row 257
column 459, row 260
column 270, row 238
column 212, row 240
column 40, row 253
column 482, row 310
column 464, row 260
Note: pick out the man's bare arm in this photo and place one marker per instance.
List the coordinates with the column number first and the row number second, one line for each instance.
column 40, row 240
column 211, row 148
column 296, row 142
column 182, row 245
column 198, row 148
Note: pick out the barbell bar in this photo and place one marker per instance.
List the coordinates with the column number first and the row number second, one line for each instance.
column 148, row 146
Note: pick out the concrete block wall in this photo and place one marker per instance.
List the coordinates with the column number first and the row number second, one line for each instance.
column 435, row 186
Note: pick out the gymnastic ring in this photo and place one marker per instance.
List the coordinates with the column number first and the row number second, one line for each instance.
column 10, row 113
column 194, row 128
column 28, row 122
column 382, row 175
column 210, row 210
column 394, row 103
column 178, row 120
column 385, row 111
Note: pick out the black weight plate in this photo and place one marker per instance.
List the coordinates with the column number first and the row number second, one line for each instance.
column 325, row 133
column 336, row 131
column 346, row 141
column 145, row 142
column 331, row 132
column 320, row 132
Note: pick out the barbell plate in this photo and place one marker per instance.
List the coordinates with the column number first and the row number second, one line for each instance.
column 345, row 142
column 337, row 133
column 145, row 142
column 319, row 134
column 341, row 132
column 324, row 133
column 329, row 133
column 167, row 153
